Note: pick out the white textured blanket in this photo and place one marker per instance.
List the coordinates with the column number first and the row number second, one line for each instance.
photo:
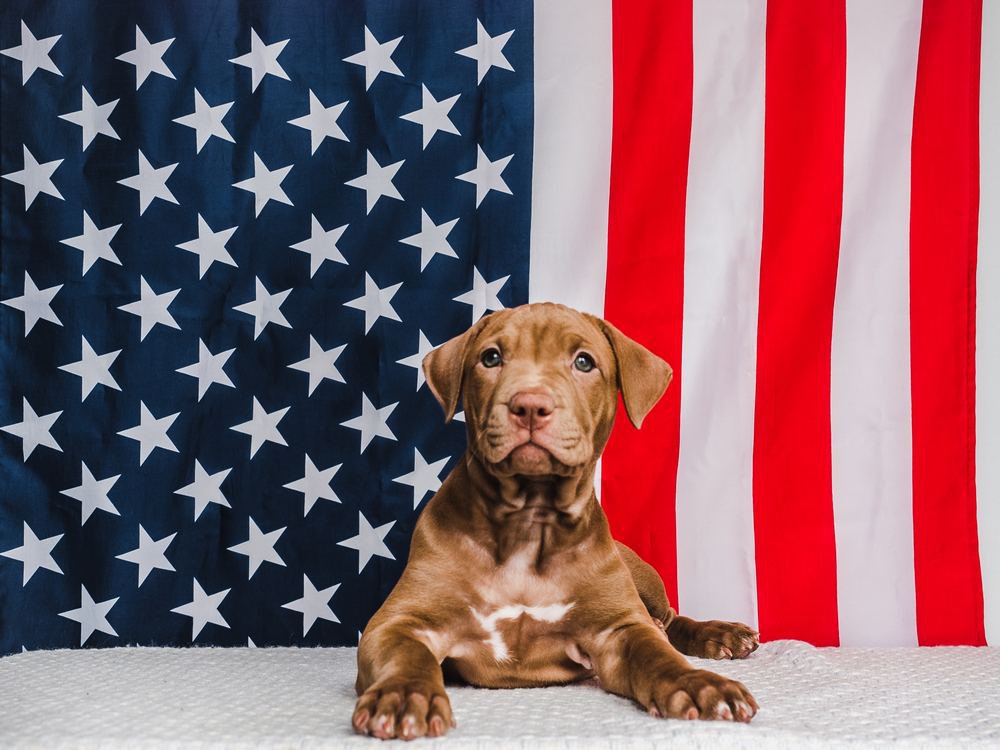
column 302, row 698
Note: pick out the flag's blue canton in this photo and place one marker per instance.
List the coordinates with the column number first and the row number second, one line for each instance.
column 139, row 140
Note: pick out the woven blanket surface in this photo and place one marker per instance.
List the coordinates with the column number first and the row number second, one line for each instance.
column 302, row 698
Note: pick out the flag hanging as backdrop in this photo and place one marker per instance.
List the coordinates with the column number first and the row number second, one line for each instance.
column 231, row 230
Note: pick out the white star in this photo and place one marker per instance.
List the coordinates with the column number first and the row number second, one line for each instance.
column 321, row 364
column 206, row 121
column 203, row 609
column 265, row 185
column 34, row 430
column 483, row 295
column 377, row 303
column 377, row 181
column 36, row 178
column 34, row 553
column 487, row 176
column 487, row 51
column 92, row 368
column 376, row 57
column 206, row 488
column 423, row 478
column 209, row 246
column 433, row 115
column 369, row 542
column 94, row 243
column 314, row 604
column 415, row 361
column 262, row 427
column 315, row 485
column 92, row 118
column 432, row 239
column 147, row 58
column 151, row 308
column 209, row 368
column 149, row 555
column 372, row 422
column 262, row 59
column 151, row 433
column 151, row 183
column 91, row 615
column 259, row 548
column 321, row 122
column 33, row 53
column 35, row 303
column 265, row 308
column 321, row 246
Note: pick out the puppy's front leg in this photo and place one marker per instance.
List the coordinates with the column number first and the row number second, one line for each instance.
column 400, row 685
column 635, row 659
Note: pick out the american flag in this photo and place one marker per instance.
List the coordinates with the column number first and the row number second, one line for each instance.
column 231, row 230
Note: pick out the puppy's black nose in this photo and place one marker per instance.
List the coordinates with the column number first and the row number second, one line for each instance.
column 531, row 409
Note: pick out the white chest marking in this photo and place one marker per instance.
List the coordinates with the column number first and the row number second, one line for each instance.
column 548, row 613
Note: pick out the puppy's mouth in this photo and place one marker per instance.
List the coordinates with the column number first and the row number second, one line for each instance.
column 530, row 458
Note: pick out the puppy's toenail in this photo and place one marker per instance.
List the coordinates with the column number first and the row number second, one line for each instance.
column 409, row 727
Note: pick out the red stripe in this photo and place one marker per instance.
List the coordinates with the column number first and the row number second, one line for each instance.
column 803, row 179
column 944, row 212
column 653, row 80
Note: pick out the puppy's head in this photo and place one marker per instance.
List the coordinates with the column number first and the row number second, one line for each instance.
column 540, row 386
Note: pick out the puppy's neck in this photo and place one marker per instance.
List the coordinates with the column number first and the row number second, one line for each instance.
column 542, row 513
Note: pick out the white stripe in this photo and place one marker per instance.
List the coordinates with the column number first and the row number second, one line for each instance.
column 572, row 153
column 716, row 570
column 988, row 323
column 571, row 170
column 871, row 437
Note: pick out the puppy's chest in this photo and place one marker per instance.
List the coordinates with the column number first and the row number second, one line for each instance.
column 515, row 620
column 513, row 631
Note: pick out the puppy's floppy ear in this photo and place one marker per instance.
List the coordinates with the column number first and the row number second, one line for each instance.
column 642, row 376
column 443, row 369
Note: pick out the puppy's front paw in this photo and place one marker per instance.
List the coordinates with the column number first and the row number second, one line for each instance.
column 403, row 708
column 702, row 695
column 716, row 639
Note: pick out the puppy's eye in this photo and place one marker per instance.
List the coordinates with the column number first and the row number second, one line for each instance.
column 491, row 358
column 584, row 362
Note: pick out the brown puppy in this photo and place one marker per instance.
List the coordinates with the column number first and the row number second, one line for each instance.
column 513, row 578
